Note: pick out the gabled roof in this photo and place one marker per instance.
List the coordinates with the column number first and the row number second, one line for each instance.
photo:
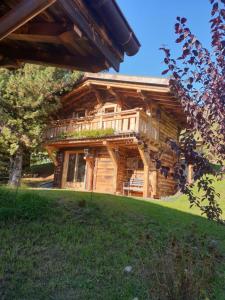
column 87, row 35
column 129, row 88
column 120, row 78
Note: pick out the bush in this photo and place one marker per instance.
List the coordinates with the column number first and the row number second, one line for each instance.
column 21, row 206
column 95, row 133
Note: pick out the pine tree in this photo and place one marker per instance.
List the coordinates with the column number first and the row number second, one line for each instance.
column 28, row 98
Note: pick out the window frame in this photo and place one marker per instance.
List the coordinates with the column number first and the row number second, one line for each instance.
column 64, row 181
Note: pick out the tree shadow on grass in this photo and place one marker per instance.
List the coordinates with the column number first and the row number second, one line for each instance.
column 89, row 239
column 17, row 206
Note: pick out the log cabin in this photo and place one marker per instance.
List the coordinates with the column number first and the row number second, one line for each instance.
column 86, row 35
column 109, row 133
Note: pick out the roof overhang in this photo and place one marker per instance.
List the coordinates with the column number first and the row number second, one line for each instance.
column 76, row 34
column 149, row 90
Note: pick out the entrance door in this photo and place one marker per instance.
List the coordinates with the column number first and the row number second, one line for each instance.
column 74, row 171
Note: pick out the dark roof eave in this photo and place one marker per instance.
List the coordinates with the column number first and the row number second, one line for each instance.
column 117, row 25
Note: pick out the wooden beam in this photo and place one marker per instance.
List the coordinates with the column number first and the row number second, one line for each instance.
column 90, row 173
column 35, row 38
column 72, row 10
column 20, row 14
column 44, row 28
column 68, row 39
column 146, row 161
column 142, row 96
column 39, row 56
column 50, row 151
column 154, row 183
column 65, row 169
column 113, row 157
column 114, row 93
column 96, row 93
column 190, row 174
column 72, row 42
column 131, row 86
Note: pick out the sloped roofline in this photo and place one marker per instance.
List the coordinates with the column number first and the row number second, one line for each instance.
column 156, row 88
column 155, row 81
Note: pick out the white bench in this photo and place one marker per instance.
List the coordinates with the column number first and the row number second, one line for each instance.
column 134, row 184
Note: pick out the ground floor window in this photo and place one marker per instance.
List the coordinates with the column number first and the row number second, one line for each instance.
column 76, row 167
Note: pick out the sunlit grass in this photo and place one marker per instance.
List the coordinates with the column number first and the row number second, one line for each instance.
column 58, row 244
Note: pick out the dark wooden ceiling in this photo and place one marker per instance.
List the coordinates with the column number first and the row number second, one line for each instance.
column 64, row 33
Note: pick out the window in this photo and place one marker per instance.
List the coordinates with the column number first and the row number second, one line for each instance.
column 79, row 114
column 76, row 168
column 109, row 110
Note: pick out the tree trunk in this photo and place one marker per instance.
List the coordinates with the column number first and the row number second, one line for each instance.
column 15, row 173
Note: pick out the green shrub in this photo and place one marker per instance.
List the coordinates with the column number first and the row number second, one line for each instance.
column 95, row 133
column 21, row 206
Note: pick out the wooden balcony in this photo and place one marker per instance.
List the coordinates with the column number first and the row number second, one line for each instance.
column 133, row 121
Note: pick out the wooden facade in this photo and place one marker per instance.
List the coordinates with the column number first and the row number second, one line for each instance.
column 109, row 133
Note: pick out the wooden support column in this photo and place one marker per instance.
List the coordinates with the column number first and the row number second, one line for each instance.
column 154, row 183
column 90, row 173
column 154, row 179
column 113, row 157
column 190, row 174
column 50, row 151
column 146, row 161
column 24, row 11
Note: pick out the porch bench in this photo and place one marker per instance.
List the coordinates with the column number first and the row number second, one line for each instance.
column 134, row 184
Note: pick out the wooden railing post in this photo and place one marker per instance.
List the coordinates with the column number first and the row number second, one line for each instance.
column 101, row 122
column 138, row 121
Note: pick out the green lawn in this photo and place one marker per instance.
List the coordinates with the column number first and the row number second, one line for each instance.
column 55, row 246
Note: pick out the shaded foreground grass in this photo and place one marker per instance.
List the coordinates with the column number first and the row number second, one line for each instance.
column 56, row 246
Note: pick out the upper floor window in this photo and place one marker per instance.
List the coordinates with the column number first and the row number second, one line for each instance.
column 109, row 110
column 79, row 113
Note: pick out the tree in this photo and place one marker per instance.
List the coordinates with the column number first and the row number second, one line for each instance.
column 28, row 98
column 198, row 79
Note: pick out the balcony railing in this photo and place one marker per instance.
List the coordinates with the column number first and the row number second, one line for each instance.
column 124, row 122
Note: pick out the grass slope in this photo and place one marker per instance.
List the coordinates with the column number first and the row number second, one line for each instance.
column 53, row 247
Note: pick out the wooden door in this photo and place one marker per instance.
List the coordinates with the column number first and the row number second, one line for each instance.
column 104, row 172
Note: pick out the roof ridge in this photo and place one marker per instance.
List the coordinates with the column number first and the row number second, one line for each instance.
column 127, row 78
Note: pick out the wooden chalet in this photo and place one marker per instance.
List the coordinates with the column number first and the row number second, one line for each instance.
column 109, row 132
column 86, row 35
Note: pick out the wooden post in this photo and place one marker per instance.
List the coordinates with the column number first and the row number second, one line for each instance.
column 138, row 122
column 90, row 172
column 154, row 183
column 146, row 161
column 114, row 161
column 146, row 182
column 190, row 174
column 51, row 155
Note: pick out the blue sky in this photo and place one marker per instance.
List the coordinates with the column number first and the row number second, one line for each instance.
column 153, row 22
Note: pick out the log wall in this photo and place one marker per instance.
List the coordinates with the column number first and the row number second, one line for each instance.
column 58, row 169
column 104, row 172
column 168, row 127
